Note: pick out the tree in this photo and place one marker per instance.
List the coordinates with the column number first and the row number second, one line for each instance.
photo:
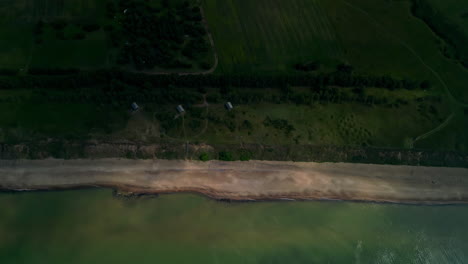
column 345, row 68
column 425, row 85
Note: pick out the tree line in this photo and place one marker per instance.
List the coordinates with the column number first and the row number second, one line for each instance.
column 103, row 78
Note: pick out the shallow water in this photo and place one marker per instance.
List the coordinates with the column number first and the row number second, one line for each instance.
column 92, row 226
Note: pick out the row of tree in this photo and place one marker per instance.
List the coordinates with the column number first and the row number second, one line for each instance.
column 104, row 79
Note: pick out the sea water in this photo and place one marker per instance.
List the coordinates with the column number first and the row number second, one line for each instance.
column 93, row 226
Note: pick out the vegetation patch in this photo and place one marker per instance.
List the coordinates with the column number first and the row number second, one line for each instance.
column 171, row 36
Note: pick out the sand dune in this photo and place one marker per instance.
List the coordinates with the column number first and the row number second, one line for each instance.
column 245, row 180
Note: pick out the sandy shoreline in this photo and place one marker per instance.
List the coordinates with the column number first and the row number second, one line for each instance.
column 253, row 180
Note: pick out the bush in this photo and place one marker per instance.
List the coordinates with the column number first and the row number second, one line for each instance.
column 59, row 24
column 53, row 71
column 8, row 72
column 308, row 66
column 205, row 65
column 79, row 36
column 225, row 156
column 425, row 85
column 90, row 27
column 204, row 157
column 245, row 155
column 345, row 68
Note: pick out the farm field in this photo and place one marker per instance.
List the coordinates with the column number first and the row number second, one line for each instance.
column 376, row 37
column 271, row 35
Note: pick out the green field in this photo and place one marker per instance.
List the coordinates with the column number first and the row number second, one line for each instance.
column 271, row 35
column 454, row 10
column 379, row 37
column 318, row 123
column 376, row 37
column 452, row 137
column 30, row 116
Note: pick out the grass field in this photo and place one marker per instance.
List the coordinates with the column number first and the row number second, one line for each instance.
column 33, row 116
column 27, row 116
column 377, row 37
column 452, row 137
column 271, row 35
column 347, row 124
column 454, row 10
column 450, row 20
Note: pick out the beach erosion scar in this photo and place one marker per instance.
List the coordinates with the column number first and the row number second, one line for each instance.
column 245, row 180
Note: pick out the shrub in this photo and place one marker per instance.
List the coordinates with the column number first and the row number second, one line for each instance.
column 204, row 157
column 90, row 27
column 245, row 155
column 226, row 156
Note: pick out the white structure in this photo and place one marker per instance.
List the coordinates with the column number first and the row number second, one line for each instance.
column 180, row 109
column 135, row 107
column 228, row 106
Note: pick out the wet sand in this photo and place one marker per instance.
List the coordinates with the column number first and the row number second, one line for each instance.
column 253, row 180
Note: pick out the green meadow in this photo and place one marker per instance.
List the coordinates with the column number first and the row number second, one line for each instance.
column 30, row 116
column 376, row 37
column 271, row 35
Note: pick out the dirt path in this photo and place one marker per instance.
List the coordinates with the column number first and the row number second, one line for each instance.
column 245, row 180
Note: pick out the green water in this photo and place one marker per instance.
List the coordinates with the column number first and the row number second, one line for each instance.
column 92, row 226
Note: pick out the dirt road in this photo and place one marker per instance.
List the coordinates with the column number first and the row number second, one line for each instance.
column 245, row 180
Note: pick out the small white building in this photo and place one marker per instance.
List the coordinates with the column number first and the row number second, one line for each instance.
column 134, row 106
column 180, row 109
column 228, row 106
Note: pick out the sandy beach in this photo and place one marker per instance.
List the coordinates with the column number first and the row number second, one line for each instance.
column 252, row 180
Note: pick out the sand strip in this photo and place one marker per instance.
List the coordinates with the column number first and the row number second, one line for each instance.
column 245, row 180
